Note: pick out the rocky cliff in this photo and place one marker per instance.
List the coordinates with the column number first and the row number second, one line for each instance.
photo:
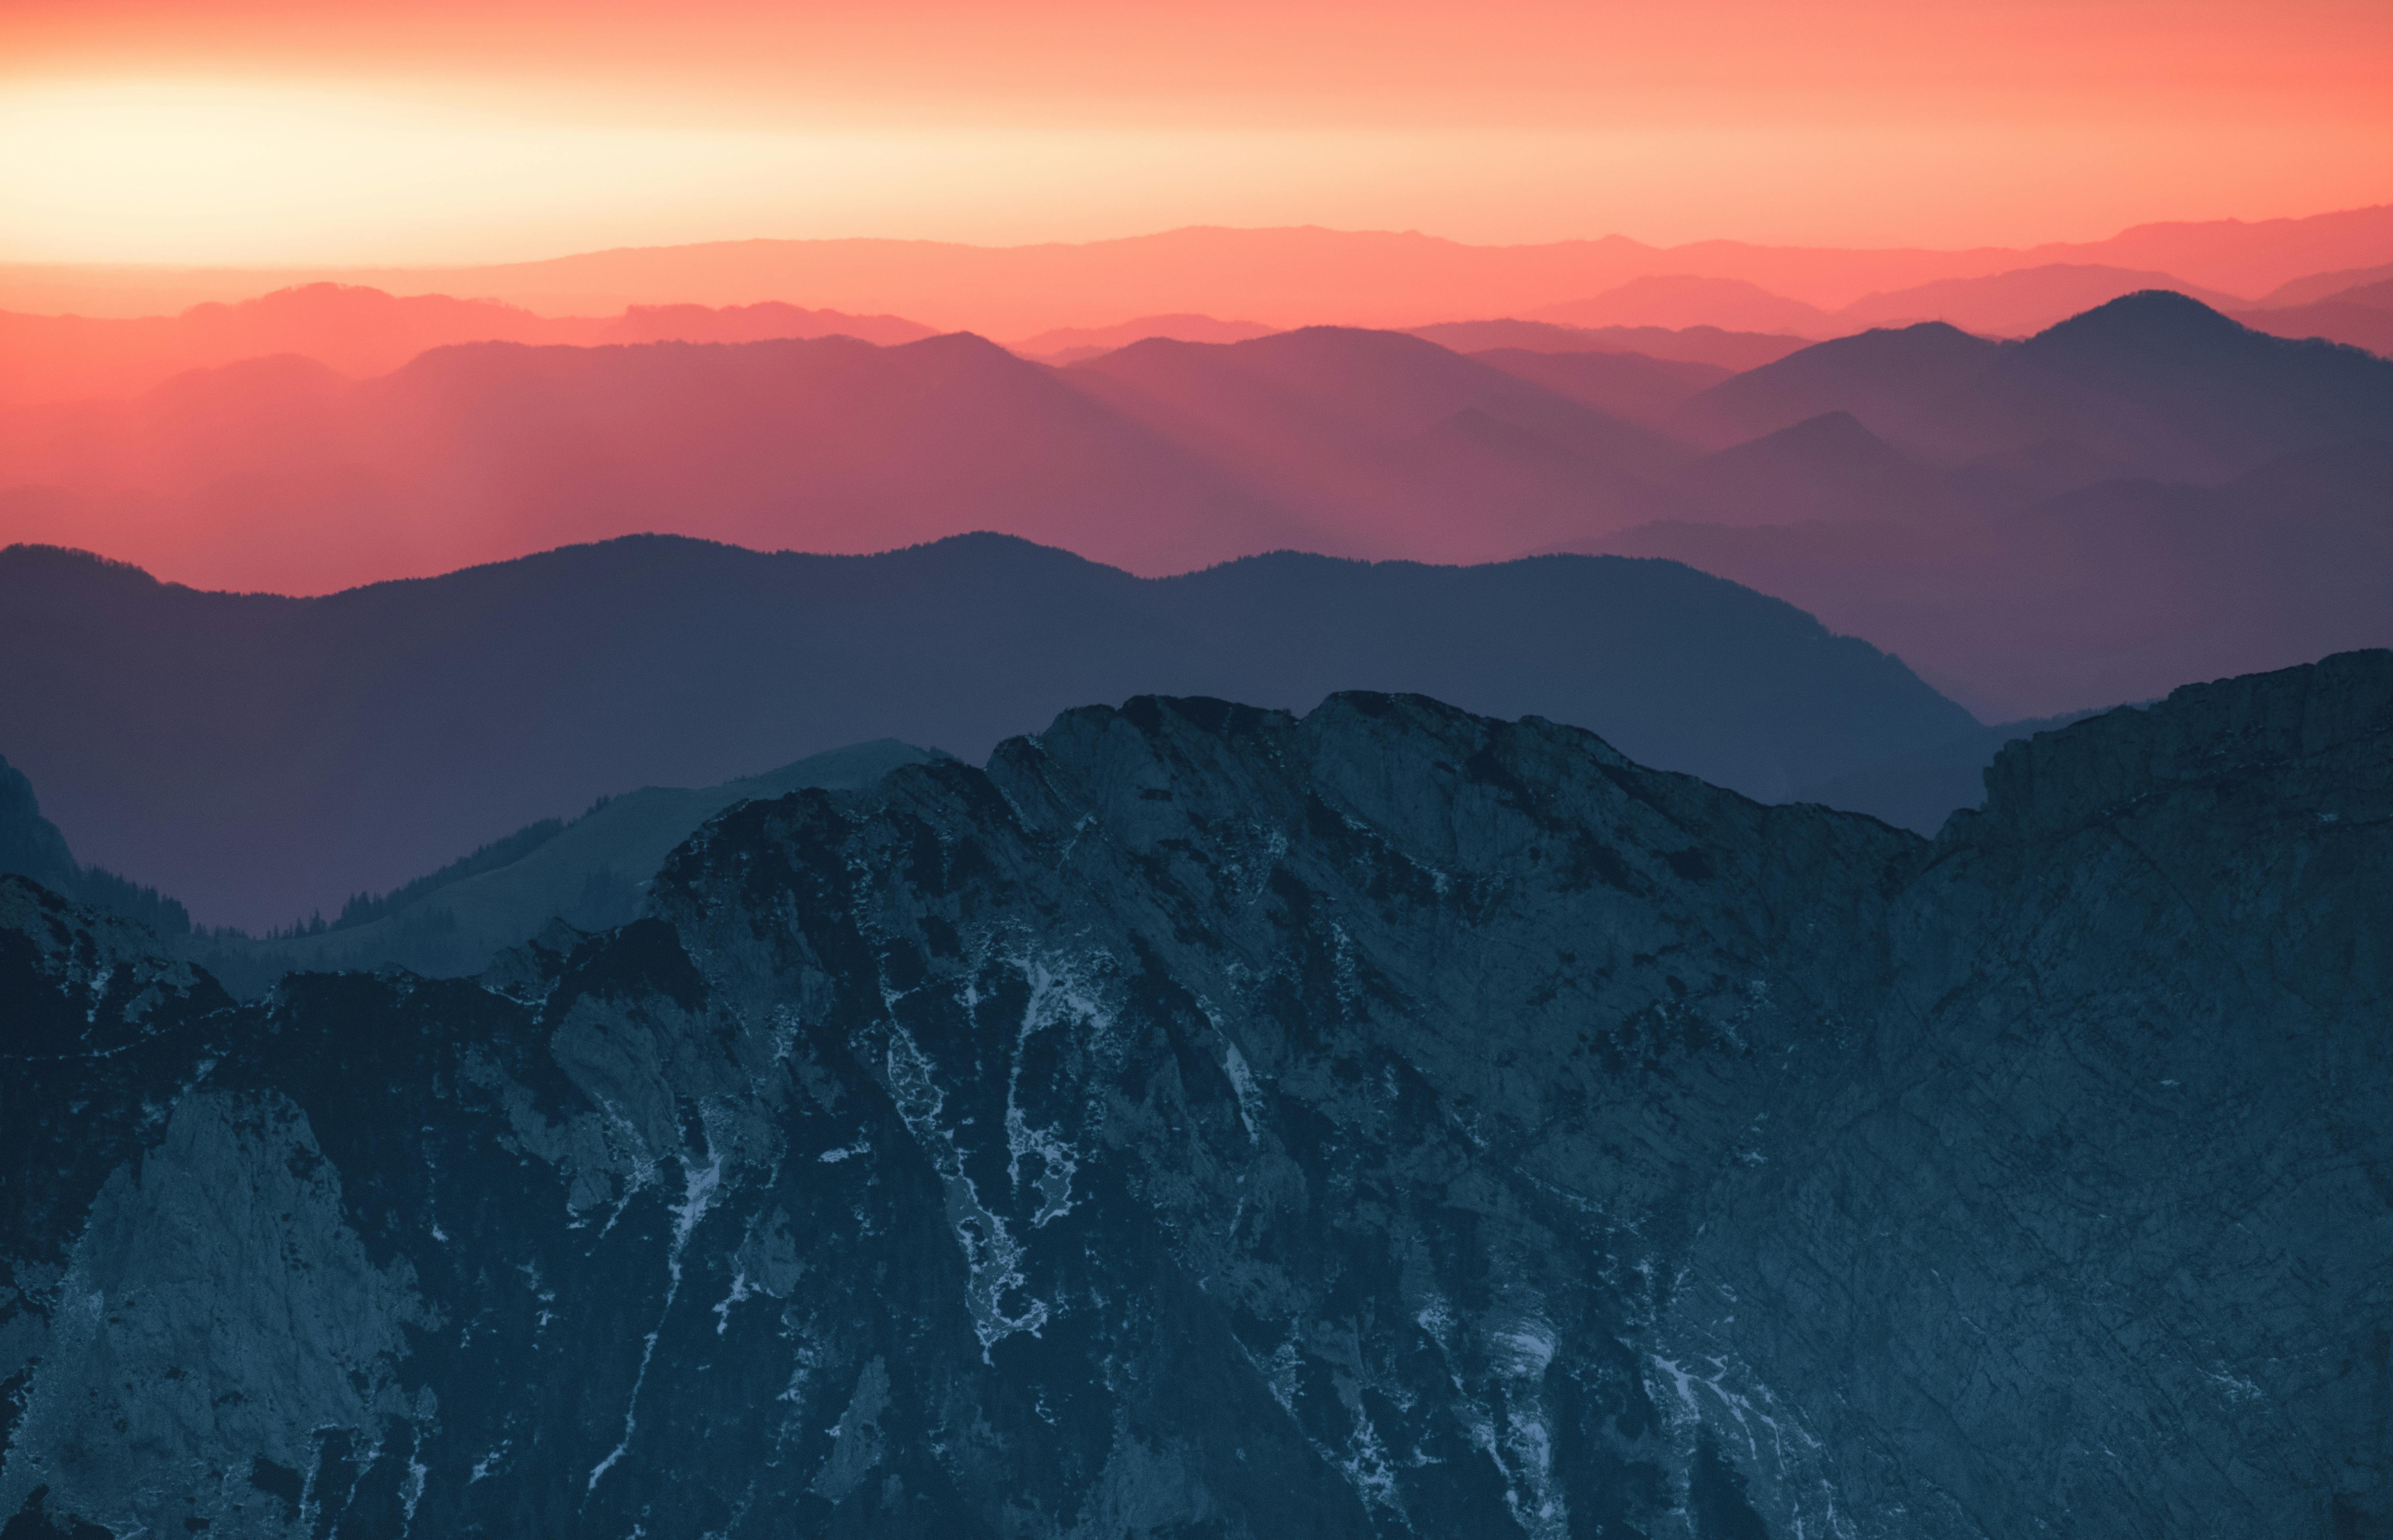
column 1209, row 1122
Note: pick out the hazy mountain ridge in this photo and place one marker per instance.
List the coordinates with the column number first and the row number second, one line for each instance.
column 2153, row 384
column 588, row 873
column 1161, row 457
column 2115, row 591
column 1072, row 344
column 2146, row 495
column 1166, row 456
column 1383, row 438
column 359, row 331
column 260, row 757
column 1285, row 276
column 1704, row 345
column 1630, row 385
column 2020, row 302
column 1678, row 300
column 1389, row 1123
column 2014, row 302
column 481, row 452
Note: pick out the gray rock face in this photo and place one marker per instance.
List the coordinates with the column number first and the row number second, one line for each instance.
column 1208, row 1122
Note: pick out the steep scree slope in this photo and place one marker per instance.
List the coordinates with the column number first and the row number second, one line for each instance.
column 1205, row 1121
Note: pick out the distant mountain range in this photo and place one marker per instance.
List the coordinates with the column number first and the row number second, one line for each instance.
column 2148, row 495
column 2014, row 303
column 1899, row 483
column 2112, row 592
column 1160, row 457
column 2153, row 384
column 2018, row 303
column 1632, row 385
column 359, row 331
column 1275, row 277
column 2314, row 287
column 1072, row 344
column 262, row 758
column 1387, row 444
column 1828, row 467
column 1705, row 345
column 1682, row 299
column 1883, row 379
column 2360, row 315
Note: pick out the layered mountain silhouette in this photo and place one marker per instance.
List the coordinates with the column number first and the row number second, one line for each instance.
column 358, row 332
column 2153, row 384
column 1392, row 444
column 1880, row 378
column 1289, row 278
column 2112, row 592
column 1161, row 457
column 1632, row 385
column 2018, row 303
column 263, row 758
column 1166, row 456
column 2313, row 287
column 1681, row 300
column 766, row 321
column 1072, row 344
column 1828, row 467
column 1391, row 1122
column 1734, row 351
column 490, row 451
column 2360, row 314
column 2163, row 386
column 1292, row 277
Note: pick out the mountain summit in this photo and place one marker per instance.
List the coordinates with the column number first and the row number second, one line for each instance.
column 1205, row 1120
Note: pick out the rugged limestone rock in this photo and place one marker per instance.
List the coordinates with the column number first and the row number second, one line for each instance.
column 1208, row 1122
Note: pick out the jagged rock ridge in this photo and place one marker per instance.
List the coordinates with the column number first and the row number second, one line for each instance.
column 1204, row 1121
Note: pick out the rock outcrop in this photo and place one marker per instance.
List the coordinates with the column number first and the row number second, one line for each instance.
column 1206, row 1121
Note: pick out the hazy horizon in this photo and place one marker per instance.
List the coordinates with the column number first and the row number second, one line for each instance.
column 377, row 134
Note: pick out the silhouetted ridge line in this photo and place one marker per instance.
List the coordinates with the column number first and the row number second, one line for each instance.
column 659, row 661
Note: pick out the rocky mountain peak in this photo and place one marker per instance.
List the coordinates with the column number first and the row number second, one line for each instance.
column 2247, row 730
column 1209, row 1120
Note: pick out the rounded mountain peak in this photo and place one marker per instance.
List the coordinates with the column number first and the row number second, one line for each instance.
column 2149, row 318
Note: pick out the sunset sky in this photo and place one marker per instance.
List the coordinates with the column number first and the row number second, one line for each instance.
column 281, row 132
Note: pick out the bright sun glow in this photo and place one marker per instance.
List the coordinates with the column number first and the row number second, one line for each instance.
column 235, row 172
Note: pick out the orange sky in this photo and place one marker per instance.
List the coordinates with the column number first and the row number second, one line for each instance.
column 277, row 132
